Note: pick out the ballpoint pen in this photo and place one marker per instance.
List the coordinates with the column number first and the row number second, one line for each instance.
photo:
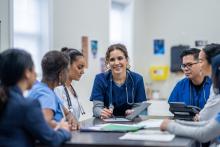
column 112, row 108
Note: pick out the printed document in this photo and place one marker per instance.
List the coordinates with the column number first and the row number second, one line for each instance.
column 151, row 135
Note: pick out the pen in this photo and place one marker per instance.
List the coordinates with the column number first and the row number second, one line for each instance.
column 113, row 117
column 112, row 107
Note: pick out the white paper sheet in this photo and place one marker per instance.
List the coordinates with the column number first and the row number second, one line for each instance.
column 117, row 119
column 151, row 123
column 151, row 135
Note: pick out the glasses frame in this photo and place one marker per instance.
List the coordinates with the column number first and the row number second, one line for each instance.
column 188, row 65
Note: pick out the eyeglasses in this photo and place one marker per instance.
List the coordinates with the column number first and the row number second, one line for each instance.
column 188, row 65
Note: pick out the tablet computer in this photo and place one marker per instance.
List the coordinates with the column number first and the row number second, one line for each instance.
column 137, row 110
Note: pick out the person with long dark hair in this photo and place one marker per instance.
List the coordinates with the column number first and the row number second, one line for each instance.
column 21, row 120
column 55, row 67
column 212, row 106
column 67, row 92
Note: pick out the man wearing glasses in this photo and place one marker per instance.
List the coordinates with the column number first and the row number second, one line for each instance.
column 194, row 89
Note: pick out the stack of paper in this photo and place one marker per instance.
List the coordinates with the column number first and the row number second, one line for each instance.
column 151, row 135
column 116, row 119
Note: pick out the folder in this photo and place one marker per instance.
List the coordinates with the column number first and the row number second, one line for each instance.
column 112, row 128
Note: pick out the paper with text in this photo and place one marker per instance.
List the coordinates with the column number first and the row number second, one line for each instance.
column 151, row 135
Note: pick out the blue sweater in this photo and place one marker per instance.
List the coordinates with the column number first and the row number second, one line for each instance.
column 22, row 123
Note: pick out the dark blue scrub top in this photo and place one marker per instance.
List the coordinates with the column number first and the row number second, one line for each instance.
column 184, row 91
column 101, row 91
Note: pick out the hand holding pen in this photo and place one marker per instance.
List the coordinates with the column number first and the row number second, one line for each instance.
column 107, row 112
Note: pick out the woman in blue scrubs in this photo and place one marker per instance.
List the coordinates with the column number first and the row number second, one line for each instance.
column 118, row 90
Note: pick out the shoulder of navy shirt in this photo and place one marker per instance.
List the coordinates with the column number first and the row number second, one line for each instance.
column 22, row 122
column 181, row 92
column 103, row 79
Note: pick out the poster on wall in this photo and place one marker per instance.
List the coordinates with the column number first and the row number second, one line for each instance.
column 159, row 47
column 85, row 46
column 102, row 64
column 94, row 47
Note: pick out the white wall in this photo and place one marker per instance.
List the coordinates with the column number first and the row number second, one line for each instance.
column 175, row 21
column 74, row 19
column 4, row 17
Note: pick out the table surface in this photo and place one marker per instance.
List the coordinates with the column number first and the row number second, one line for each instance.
column 92, row 139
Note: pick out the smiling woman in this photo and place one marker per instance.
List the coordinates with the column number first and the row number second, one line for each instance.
column 118, row 90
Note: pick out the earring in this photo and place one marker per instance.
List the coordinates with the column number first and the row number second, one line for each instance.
column 107, row 67
column 59, row 83
column 128, row 66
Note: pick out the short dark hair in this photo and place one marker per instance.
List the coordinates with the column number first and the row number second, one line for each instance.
column 53, row 63
column 211, row 50
column 13, row 63
column 216, row 74
column 192, row 51
column 73, row 53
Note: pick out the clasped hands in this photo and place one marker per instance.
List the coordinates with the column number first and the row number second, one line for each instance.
column 107, row 113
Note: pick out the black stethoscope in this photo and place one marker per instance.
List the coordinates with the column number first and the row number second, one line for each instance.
column 70, row 106
column 126, row 89
column 190, row 95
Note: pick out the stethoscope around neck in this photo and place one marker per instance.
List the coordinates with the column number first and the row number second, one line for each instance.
column 128, row 75
column 70, row 106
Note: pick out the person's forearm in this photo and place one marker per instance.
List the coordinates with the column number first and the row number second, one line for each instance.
column 210, row 110
column 203, row 133
column 97, row 108
column 192, row 123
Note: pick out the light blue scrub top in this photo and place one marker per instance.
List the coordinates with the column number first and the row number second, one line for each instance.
column 47, row 99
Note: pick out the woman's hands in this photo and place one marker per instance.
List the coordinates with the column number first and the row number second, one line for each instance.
column 196, row 118
column 62, row 125
column 106, row 113
column 72, row 121
column 164, row 124
column 128, row 112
